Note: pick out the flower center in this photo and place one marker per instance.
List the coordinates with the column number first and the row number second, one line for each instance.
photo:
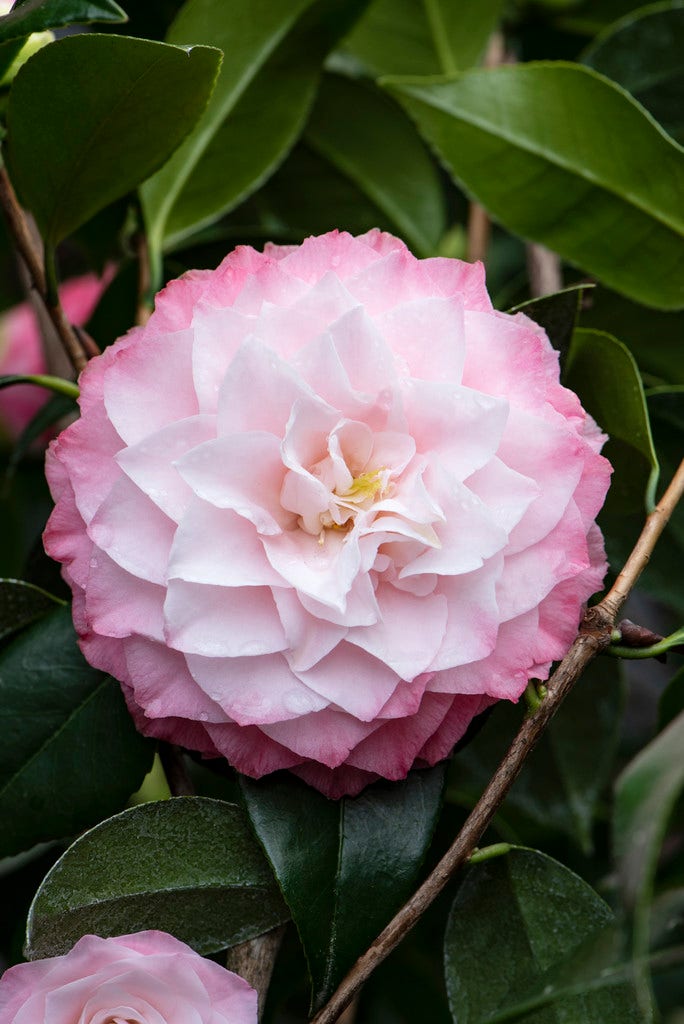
column 361, row 494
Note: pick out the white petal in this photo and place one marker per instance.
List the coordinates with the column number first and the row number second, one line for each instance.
column 222, row 622
column 254, row 690
column 409, row 633
column 217, row 546
column 150, row 463
column 243, row 472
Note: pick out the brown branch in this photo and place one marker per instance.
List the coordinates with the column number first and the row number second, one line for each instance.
column 254, row 961
column 543, row 270
column 16, row 221
column 594, row 635
column 479, row 230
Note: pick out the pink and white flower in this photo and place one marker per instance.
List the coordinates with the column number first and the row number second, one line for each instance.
column 326, row 507
column 146, row 978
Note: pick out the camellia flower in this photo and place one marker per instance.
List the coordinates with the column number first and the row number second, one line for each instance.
column 21, row 348
column 326, row 507
column 146, row 978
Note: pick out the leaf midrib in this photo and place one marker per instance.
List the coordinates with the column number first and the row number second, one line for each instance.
column 201, row 136
column 55, row 735
column 85, row 151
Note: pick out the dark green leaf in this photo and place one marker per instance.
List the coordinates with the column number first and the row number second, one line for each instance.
column 344, row 867
column 361, row 132
column 603, row 373
column 306, row 196
column 189, row 866
column 19, row 878
column 645, row 796
column 557, row 314
column 515, row 920
column 591, row 16
column 666, row 414
column 116, row 311
column 70, row 752
column 39, row 15
column 258, row 109
column 423, row 37
column 48, row 415
column 22, row 603
column 530, row 143
column 9, row 64
column 643, row 53
column 671, row 703
column 100, row 113
column 557, row 790
column 654, row 338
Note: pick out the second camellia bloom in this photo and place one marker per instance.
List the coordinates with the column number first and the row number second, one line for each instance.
column 326, row 507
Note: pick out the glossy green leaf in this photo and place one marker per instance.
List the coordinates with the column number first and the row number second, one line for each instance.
column 361, row 133
column 346, row 866
column 91, row 116
column 39, row 15
column 70, row 752
column 423, row 37
column 643, row 53
column 530, row 143
column 653, row 337
column 258, row 109
column 21, row 604
column 189, row 866
column 557, row 790
column 514, row 921
column 603, row 373
column 557, row 314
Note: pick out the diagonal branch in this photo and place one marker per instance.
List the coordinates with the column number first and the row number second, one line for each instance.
column 594, row 635
column 75, row 347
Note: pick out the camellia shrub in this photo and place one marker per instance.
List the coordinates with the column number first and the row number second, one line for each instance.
column 355, row 329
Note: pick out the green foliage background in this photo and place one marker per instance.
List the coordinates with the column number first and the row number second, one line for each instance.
column 158, row 137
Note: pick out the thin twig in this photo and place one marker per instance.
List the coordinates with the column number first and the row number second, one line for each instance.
column 594, row 635
column 31, row 256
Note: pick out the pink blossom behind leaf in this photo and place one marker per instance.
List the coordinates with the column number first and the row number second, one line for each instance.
column 326, row 507
column 149, row 977
column 21, row 349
